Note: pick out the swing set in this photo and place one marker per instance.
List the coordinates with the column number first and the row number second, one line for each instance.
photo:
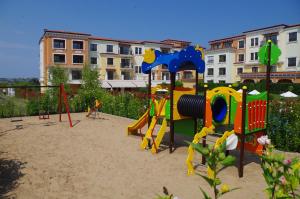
column 44, row 111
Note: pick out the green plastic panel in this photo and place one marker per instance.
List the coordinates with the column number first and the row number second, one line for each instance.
column 184, row 127
column 152, row 110
column 167, row 110
column 233, row 109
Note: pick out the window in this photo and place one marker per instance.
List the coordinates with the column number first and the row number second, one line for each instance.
column 222, row 58
column 254, row 41
column 227, row 44
column 110, row 75
column 59, row 43
column 222, row 71
column 221, row 81
column 125, row 50
column 187, row 75
column 292, row 36
column 291, row 61
column 217, row 46
column 210, row 81
column 110, row 61
column 210, row 71
column 109, row 48
column 254, row 56
column 239, row 71
column 138, row 51
column 138, row 69
column 210, row 59
column 273, row 68
column 241, row 58
column 77, row 59
column 59, row 58
column 272, row 37
column 242, row 44
column 76, row 74
column 254, row 69
column 93, row 60
column 125, row 75
column 78, row 45
column 93, row 47
column 165, row 75
column 125, row 63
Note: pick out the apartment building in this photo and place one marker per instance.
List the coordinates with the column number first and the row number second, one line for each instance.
column 118, row 61
column 235, row 59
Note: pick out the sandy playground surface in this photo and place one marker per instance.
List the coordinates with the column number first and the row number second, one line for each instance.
column 96, row 159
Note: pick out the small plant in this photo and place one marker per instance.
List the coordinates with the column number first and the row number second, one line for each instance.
column 166, row 195
column 216, row 161
column 281, row 175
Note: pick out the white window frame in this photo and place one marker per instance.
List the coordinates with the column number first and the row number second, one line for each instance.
column 239, row 43
column 91, row 59
column 90, row 47
column 78, row 40
column 107, row 61
column 254, row 56
column 109, row 45
column 59, row 48
column 254, row 41
column 219, row 71
column 59, row 54
column 210, row 74
column 287, row 60
column 238, row 58
column 74, row 69
column 224, row 61
column 288, row 36
column 78, row 63
column 213, row 59
column 237, row 70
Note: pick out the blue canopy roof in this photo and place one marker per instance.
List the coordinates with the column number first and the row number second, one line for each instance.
column 187, row 59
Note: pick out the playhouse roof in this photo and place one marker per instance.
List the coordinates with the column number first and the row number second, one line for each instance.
column 189, row 58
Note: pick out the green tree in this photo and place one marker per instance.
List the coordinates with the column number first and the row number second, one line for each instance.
column 90, row 89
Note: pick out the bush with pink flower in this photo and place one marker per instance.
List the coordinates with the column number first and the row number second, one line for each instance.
column 282, row 175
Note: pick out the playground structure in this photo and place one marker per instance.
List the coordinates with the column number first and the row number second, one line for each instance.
column 29, row 92
column 242, row 114
column 94, row 111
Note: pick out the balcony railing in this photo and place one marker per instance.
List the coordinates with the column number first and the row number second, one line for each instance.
column 273, row 75
column 126, row 66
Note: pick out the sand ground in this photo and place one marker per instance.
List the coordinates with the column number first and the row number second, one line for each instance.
column 96, row 159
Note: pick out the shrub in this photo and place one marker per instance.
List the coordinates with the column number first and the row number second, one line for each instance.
column 284, row 125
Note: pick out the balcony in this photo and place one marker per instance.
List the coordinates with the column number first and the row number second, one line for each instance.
column 126, row 66
column 275, row 75
column 125, row 50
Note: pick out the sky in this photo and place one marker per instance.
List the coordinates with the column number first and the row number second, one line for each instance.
column 22, row 23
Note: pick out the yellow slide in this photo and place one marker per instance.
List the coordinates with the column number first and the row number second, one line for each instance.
column 131, row 129
column 159, row 136
column 147, row 136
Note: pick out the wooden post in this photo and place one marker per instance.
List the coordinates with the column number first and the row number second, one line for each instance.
column 204, row 120
column 268, row 79
column 242, row 149
column 196, row 93
column 149, row 97
column 59, row 100
column 171, row 143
